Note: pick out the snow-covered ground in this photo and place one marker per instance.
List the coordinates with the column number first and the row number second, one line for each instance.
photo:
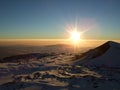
column 65, row 71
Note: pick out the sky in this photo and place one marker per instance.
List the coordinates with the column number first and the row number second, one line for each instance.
column 50, row 19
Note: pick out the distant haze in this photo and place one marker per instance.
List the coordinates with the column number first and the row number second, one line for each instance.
column 42, row 42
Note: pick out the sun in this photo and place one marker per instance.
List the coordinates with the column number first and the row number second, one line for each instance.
column 75, row 36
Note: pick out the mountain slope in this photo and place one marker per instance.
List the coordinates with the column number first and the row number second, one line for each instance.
column 107, row 54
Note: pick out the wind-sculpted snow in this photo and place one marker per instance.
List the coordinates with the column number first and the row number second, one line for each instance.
column 50, row 72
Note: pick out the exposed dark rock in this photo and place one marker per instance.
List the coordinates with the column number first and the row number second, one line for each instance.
column 24, row 57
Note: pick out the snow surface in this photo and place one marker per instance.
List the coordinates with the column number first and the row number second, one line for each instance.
column 64, row 72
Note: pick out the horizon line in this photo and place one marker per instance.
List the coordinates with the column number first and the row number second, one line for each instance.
column 57, row 39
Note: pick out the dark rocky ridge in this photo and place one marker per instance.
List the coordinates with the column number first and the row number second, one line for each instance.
column 24, row 57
